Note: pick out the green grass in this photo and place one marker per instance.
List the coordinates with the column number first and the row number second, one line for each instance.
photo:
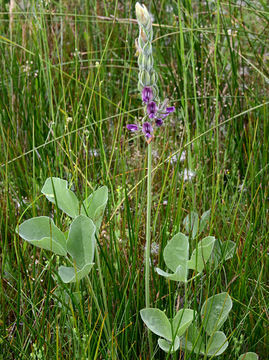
column 63, row 113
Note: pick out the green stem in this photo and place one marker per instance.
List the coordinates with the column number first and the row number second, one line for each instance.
column 98, row 307
column 103, row 292
column 147, row 250
column 147, row 255
column 185, row 101
column 217, row 85
column 107, row 320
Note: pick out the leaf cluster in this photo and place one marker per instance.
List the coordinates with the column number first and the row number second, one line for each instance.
column 79, row 243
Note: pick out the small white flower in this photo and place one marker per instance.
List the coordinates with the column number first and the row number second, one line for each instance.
column 241, row 188
column 174, row 158
column 183, row 156
column 154, row 248
column 93, row 152
column 188, row 175
column 169, row 8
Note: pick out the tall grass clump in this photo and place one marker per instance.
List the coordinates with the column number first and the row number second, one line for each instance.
column 133, row 227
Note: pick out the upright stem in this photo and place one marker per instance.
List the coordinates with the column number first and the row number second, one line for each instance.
column 106, row 321
column 103, row 290
column 147, row 255
column 98, row 308
column 147, row 250
column 217, row 85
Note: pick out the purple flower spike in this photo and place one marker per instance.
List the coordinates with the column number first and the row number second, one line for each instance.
column 152, row 109
column 170, row 109
column 158, row 122
column 132, row 127
column 147, row 94
column 147, row 129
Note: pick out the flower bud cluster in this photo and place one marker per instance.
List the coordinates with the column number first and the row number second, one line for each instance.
column 155, row 111
column 147, row 75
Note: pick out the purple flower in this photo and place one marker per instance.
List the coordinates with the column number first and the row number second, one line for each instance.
column 147, row 129
column 147, row 94
column 132, row 127
column 152, row 109
column 158, row 122
column 154, row 112
column 170, row 109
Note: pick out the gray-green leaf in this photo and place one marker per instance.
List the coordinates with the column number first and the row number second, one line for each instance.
column 201, row 254
column 95, row 204
column 56, row 190
column 215, row 311
column 42, row 232
column 70, row 274
column 167, row 345
column 178, row 275
column 182, row 321
column 217, row 344
column 176, row 253
column 192, row 340
column 157, row 322
column 81, row 241
column 249, row 356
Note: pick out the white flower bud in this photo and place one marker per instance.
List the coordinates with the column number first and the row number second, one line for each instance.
column 142, row 14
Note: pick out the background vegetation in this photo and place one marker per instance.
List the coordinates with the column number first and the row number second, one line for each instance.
column 68, row 89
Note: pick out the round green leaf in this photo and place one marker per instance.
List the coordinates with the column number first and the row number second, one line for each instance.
column 167, row 346
column 215, row 311
column 81, row 241
column 192, row 340
column 217, row 344
column 157, row 322
column 176, row 254
column 182, row 321
column 70, row 274
column 249, row 356
column 56, row 190
column 201, row 254
column 42, row 232
column 179, row 274
column 95, row 204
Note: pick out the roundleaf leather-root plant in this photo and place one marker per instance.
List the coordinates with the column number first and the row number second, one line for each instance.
column 78, row 245
column 154, row 115
column 195, row 332
column 189, row 330
column 154, row 111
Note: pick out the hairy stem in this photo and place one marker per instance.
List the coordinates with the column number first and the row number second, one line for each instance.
column 147, row 250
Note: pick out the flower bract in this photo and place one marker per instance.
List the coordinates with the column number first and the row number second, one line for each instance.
column 147, row 129
column 152, row 109
column 147, row 94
